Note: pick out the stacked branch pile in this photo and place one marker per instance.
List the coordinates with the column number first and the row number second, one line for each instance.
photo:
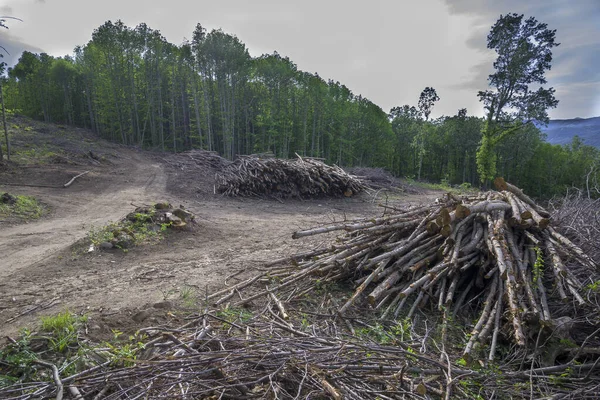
column 496, row 251
column 197, row 158
column 211, row 357
column 301, row 178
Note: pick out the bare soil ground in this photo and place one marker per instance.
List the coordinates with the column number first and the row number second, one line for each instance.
column 44, row 267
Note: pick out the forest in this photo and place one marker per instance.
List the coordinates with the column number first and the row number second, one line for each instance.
column 131, row 86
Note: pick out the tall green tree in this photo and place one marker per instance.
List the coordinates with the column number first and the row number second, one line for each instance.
column 524, row 49
column 406, row 121
column 427, row 100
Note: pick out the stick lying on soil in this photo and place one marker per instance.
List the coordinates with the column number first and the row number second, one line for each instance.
column 302, row 178
column 73, row 180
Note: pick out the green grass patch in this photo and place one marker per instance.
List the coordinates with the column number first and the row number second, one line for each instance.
column 63, row 328
column 25, row 208
column 135, row 230
column 235, row 314
column 464, row 188
column 36, row 155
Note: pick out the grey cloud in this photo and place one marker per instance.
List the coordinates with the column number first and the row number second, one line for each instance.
column 14, row 48
column 6, row 11
column 477, row 78
column 580, row 99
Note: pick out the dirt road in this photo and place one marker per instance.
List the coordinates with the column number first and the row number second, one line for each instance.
column 74, row 210
column 42, row 273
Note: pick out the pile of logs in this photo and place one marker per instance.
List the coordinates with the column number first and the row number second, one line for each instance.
column 379, row 178
column 197, row 158
column 496, row 252
column 300, row 178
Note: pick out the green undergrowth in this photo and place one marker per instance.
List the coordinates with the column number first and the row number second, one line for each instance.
column 60, row 341
column 140, row 228
column 462, row 189
column 25, row 208
column 35, row 143
column 37, row 155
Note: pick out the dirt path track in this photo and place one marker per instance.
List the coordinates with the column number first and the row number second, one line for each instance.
column 137, row 180
column 42, row 274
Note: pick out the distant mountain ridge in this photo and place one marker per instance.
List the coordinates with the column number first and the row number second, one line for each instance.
column 561, row 131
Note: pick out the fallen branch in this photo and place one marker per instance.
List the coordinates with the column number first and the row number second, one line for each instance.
column 66, row 185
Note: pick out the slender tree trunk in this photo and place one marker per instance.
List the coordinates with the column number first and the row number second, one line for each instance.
column 173, row 113
column 197, row 110
column 232, row 120
column 224, row 120
column 116, row 101
column 314, row 133
column 135, row 109
column 160, row 113
column 185, row 116
column 465, row 161
column 208, row 116
column 4, row 125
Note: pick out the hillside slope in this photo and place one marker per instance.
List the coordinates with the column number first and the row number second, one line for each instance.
column 561, row 131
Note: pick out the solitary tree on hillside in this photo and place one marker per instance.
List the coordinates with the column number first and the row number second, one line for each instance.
column 524, row 49
column 427, row 99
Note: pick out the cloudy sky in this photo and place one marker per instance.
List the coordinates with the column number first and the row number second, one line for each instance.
column 386, row 50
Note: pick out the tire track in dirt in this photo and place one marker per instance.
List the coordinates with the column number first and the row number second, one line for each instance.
column 136, row 181
column 233, row 236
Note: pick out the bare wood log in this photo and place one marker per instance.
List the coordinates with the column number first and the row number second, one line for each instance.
column 532, row 238
column 279, row 305
column 415, row 305
column 431, row 277
column 66, row 185
column 487, row 328
column 485, row 314
column 501, row 185
column 403, row 249
column 558, row 268
column 516, row 210
column 507, row 273
column 417, row 254
column 442, row 293
column 476, row 238
column 539, row 220
column 424, row 224
column 55, row 376
column 451, row 290
column 520, row 258
column 361, row 288
column 496, row 323
column 422, row 263
column 348, row 227
column 383, row 287
column 488, row 206
column 572, row 247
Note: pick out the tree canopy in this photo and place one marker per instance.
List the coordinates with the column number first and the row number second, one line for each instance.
column 524, row 49
column 131, row 86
